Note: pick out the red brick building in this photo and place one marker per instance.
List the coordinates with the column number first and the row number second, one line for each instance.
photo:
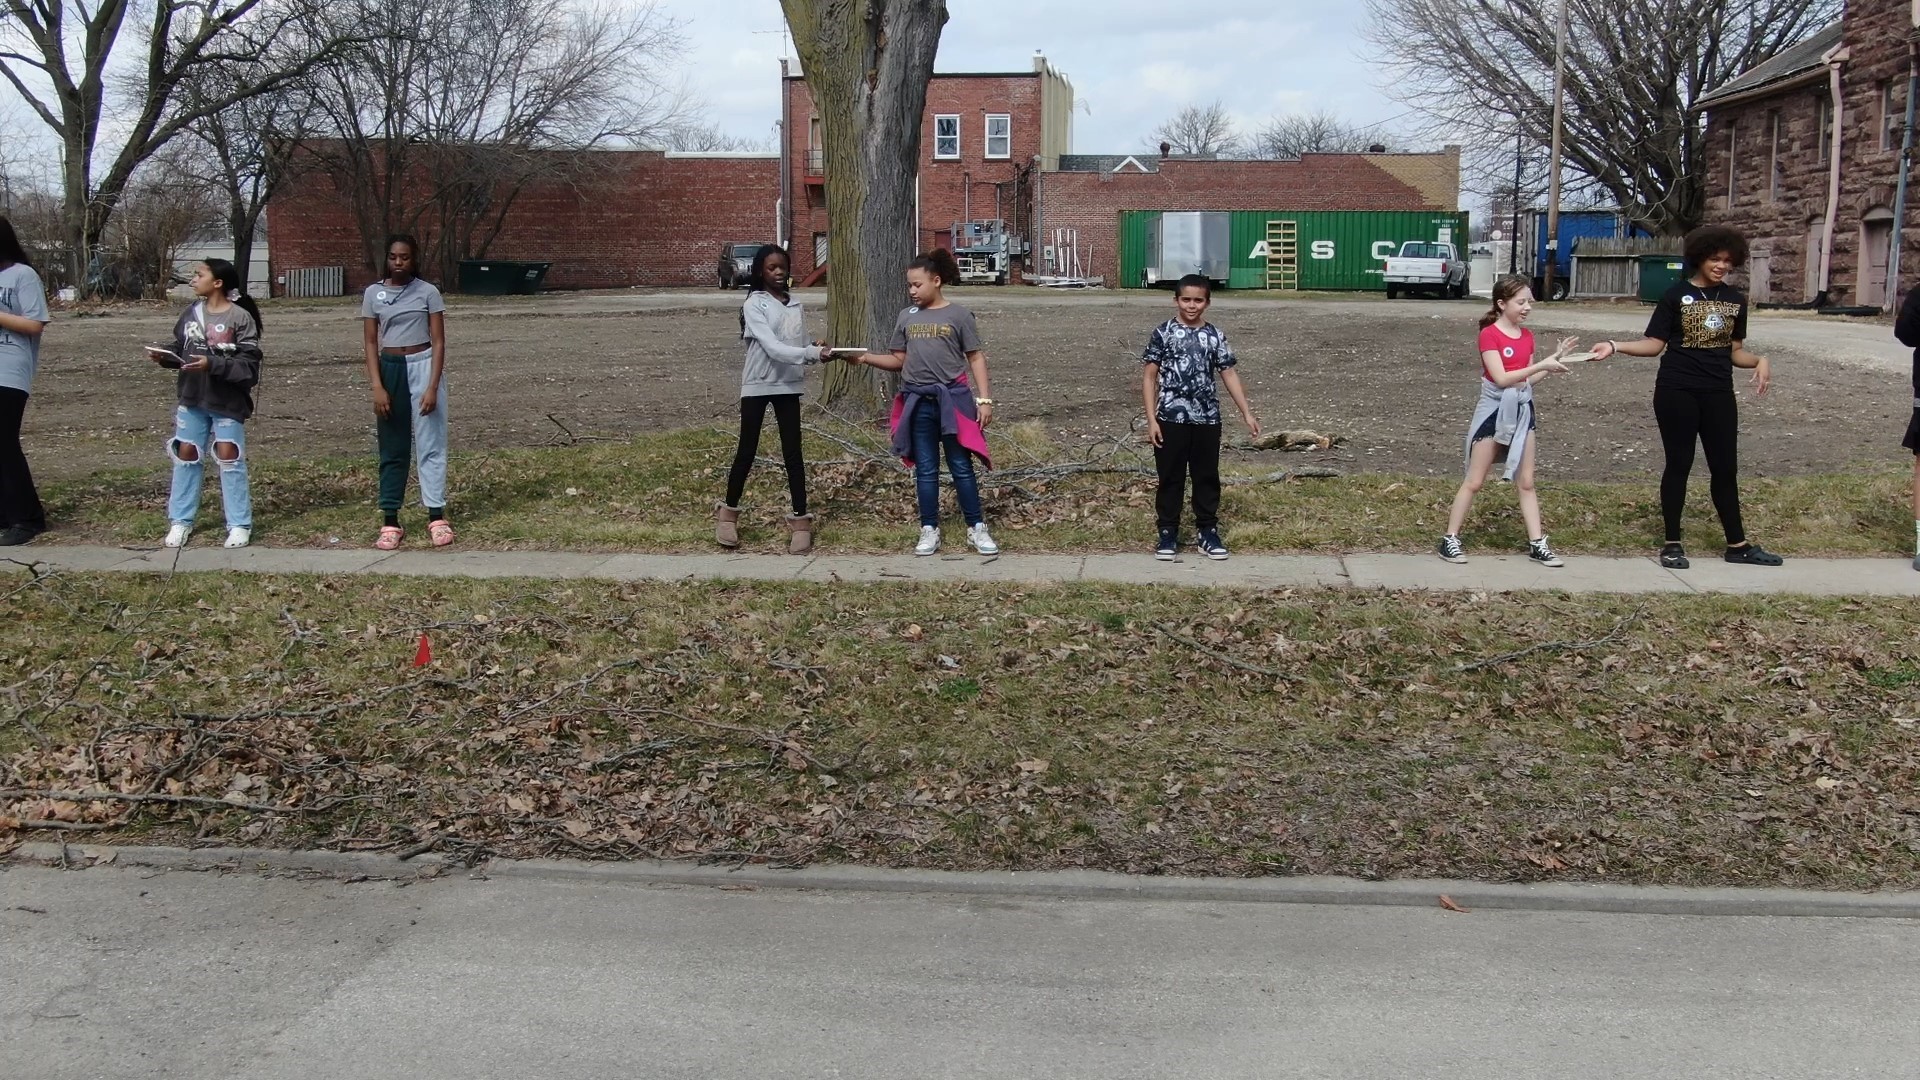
column 1803, row 155
column 638, row 217
column 992, row 146
column 999, row 146
column 982, row 138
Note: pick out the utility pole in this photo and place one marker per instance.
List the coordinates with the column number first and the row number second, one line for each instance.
column 1553, row 165
column 1519, row 163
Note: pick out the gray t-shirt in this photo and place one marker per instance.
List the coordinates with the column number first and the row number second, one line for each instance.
column 936, row 342
column 402, row 311
column 20, row 294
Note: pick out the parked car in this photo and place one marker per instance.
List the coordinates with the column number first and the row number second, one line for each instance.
column 736, row 260
column 1426, row 266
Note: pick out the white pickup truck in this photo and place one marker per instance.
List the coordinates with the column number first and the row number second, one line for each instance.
column 1426, row 266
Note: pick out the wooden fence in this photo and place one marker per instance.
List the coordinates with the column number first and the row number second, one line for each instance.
column 1608, row 267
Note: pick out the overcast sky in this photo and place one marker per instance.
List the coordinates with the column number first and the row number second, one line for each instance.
column 1132, row 62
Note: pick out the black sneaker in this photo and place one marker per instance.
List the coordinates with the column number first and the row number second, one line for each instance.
column 1450, row 549
column 1753, row 555
column 1169, row 545
column 1674, row 557
column 1540, row 552
column 15, row 535
column 1211, row 546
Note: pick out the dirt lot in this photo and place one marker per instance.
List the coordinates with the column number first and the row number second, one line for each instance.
column 1397, row 380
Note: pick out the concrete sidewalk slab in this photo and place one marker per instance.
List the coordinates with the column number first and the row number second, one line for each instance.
column 1497, row 573
column 635, row 567
column 1026, row 569
column 489, row 564
column 1241, row 571
column 1511, row 573
column 64, row 557
column 1813, row 577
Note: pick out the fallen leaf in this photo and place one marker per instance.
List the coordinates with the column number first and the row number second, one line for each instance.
column 1035, row 765
column 1826, row 783
column 578, row 828
column 1447, row 902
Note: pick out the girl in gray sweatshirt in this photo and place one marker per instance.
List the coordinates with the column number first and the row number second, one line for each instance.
column 776, row 375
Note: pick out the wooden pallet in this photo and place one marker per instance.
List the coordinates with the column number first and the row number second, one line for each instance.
column 1283, row 255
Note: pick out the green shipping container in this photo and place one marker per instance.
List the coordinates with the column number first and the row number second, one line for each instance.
column 1339, row 250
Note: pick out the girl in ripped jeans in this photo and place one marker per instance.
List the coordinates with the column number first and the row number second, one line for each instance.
column 216, row 349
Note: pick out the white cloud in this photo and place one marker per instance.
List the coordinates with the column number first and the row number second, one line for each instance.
column 1132, row 62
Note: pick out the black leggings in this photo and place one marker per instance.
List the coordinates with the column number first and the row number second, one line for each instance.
column 753, row 414
column 19, row 502
column 1713, row 417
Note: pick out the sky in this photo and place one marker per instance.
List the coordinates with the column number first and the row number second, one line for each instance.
column 1133, row 63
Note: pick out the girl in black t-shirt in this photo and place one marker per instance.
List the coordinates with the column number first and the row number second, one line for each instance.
column 1699, row 331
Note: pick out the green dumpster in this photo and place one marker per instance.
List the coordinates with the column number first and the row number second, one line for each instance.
column 488, row 277
column 1658, row 273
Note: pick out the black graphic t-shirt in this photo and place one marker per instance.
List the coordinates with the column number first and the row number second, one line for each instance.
column 1699, row 326
column 1188, row 357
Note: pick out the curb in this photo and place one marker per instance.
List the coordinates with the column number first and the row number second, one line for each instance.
column 343, row 864
column 1054, row 884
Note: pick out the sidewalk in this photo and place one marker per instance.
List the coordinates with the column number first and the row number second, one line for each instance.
column 1821, row 577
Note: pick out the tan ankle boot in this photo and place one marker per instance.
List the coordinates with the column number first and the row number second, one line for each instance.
column 801, row 541
column 726, row 529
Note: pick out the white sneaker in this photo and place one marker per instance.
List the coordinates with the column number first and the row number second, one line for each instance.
column 980, row 540
column 238, row 537
column 177, row 535
column 929, row 541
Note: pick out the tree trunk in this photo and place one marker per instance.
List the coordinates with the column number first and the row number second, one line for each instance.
column 867, row 64
column 242, row 224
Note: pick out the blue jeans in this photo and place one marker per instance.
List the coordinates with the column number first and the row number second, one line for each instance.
column 927, row 441
column 204, row 431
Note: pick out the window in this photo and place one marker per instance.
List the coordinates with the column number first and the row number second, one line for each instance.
column 1773, row 155
column 1733, row 158
column 1891, row 119
column 1823, row 122
column 946, row 137
column 999, row 135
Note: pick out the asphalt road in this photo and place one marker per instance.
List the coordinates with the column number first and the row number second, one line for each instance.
column 116, row 972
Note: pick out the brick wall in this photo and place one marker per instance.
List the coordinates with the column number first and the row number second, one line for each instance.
column 950, row 190
column 637, row 218
column 1783, row 211
column 1092, row 202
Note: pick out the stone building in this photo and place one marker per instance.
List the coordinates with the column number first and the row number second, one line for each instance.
column 1804, row 157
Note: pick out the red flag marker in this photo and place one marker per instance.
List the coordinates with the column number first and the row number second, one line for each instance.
column 423, row 655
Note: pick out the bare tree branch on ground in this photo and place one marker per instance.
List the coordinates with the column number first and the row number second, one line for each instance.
column 1478, row 71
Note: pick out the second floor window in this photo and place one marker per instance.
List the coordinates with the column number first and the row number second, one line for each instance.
column 1773, row 155
column 946, row 137
column 999, row 135
column 1823, row 120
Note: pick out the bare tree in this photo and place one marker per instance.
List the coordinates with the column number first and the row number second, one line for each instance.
column 246, row 151
column 58, row 54
column 158, row 213
column 706, row 138
column 1317, row 132
column 867, row 66
column 1480, row 70
column 439, row 125
column 1197, row 131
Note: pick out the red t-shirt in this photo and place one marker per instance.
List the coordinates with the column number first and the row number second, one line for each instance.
column 1515, row 353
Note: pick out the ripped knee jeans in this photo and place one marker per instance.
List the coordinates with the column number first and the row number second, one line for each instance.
column 197, row 436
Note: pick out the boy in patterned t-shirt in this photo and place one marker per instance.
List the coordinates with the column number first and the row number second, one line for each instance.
column 1183, row 414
